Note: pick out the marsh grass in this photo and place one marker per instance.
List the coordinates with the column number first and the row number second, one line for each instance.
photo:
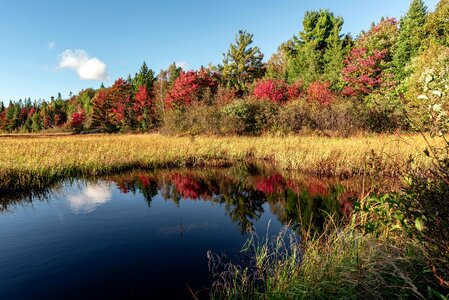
column 35, row 162
column 338, row 263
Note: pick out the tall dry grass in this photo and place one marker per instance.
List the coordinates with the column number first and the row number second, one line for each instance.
column 35, row 161
column 338, row 263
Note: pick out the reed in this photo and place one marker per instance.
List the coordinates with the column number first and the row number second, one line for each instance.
column 35, row 161
column 338, row 263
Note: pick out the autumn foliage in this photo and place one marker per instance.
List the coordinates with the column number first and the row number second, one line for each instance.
column 271, row 89
column 78, row 119
column 112, row 106
column 186, row 185
column 320, row 92
column 362, row 72
column 143, row 107
column 278, row 91
column 191, row 86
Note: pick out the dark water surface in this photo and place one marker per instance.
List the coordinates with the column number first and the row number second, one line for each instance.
column 145, row 235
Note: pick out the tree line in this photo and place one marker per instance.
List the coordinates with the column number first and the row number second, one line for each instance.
column 391, row 77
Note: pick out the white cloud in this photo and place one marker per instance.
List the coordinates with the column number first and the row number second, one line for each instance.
column 87, row 68
column 182, row 64
column 88, row 199
column 51, row 45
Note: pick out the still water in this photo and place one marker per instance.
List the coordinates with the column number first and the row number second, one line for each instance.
column 145, row 235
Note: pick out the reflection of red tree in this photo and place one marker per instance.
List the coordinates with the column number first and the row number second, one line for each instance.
column 144, row 180
column 316, row 188
column 187, row 186
column 270, row 185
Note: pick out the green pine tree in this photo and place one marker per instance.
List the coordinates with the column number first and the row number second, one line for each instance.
column 337, row 49
column 411, row 36
column 242, row 64
column 318, row 50
column 145, row 77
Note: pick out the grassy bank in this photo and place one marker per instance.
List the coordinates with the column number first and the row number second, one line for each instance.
column 339, row 263
column 28, row 161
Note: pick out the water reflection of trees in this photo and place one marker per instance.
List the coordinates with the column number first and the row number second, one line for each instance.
column 244, row 189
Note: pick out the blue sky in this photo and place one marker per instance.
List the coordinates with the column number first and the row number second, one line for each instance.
column 116, row 36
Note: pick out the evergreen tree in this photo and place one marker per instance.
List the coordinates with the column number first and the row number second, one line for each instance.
column 337, row 50
column 318, row 49
column 242, row 64
column 145, row 77
column 36, row 123
column 411, row 35
column 173, row 73
column 305, row 65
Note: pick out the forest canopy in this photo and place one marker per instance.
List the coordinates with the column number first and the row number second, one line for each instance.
column 384, row 79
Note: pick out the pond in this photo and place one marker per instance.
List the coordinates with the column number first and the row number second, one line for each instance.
column 146, row 234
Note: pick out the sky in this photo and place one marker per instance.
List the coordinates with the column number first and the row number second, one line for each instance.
column 52, row 46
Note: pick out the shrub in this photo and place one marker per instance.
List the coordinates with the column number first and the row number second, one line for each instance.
column 272, row 90
column 296, row 90
column 249, row 117
column 195, row 119
column 294, row 116
column 382, row 112
column 320, row 92
column 224, row 95
column 428, row 85
column 341, row 115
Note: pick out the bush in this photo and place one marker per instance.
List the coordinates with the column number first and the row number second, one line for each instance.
column 298, row 115
column 294, row 116
column 272, row 90
column 195, row 119
column 383, row 112
column 428, row 85
column 249, row 116
column 320, row 92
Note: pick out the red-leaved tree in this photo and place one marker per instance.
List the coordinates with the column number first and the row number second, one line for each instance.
column 77, row 120
column 278, row 91
column 120, row 95
column 112, row 106
column 362, row 72
column 143, row 108
column 183, row 90
column 191, row 86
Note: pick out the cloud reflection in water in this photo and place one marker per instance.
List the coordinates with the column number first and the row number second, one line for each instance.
column 89, row 198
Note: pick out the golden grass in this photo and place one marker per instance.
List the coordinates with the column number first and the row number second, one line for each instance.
column 34, row 161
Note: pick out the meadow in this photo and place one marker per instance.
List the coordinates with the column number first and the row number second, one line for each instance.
column 33, row 161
